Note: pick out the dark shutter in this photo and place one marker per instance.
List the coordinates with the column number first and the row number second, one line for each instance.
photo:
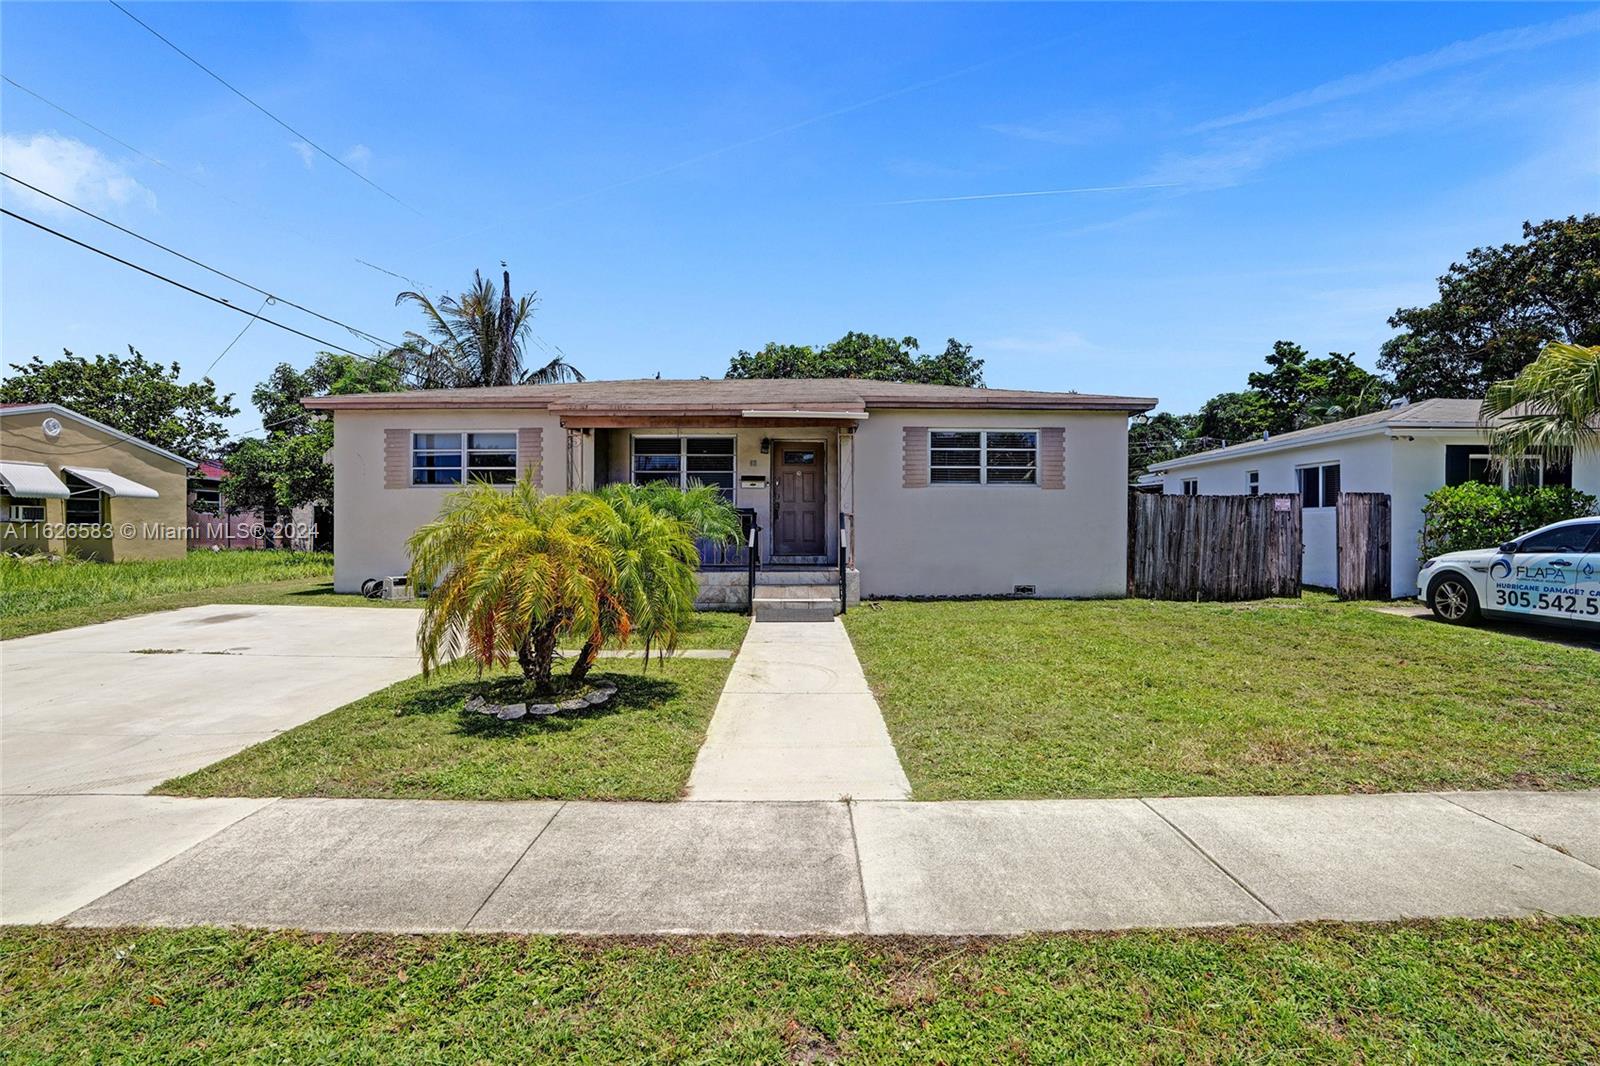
column 1455, row 462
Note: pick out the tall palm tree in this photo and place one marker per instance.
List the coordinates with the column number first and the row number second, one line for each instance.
column 478, row 338
column 1554, row 402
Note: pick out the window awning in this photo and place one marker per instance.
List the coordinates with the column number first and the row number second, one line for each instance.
column 113, row 484
column 32, row 480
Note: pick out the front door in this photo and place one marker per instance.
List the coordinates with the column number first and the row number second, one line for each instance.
column 797, row 500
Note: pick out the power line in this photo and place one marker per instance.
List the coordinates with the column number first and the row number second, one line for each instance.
column 359, row 333
column 186, row 288
column 227, row 85
column 192, row 180
column 237, row 337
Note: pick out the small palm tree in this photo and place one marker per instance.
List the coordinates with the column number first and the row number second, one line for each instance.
column 507, row 574
column 511, row 573
column 477, row 338
column 1553, row 403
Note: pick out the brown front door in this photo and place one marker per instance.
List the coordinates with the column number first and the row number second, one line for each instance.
column 797, row 498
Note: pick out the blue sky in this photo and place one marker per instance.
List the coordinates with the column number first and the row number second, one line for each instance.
column 680, row 182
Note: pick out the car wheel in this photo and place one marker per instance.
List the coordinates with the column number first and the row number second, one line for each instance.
column 1452, row 600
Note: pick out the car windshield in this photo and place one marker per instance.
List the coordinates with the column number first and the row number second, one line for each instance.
column 1569, row 538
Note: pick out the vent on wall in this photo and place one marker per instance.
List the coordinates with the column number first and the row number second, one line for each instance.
column 1022, row 590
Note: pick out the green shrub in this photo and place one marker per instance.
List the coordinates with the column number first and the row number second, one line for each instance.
column 1474, row 515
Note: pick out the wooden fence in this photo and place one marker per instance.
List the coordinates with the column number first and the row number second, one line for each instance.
column 1364, row 533
column 1213, row 547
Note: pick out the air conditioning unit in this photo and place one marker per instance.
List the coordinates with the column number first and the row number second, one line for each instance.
column 388, row 588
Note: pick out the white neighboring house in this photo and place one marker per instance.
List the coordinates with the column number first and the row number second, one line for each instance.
column 1407, row 451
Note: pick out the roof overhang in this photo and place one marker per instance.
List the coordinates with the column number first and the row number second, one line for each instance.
column 67, row 412
column 113, row 484
column 32, row 481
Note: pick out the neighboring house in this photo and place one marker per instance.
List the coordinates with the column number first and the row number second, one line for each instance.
column 211, row 525
column 71, row 484
column 1407, row 451
column 938, row 490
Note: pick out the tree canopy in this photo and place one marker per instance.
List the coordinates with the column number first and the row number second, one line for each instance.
column 284, row 469
column 136, row 395
column 1497, row 310
column 863, row 355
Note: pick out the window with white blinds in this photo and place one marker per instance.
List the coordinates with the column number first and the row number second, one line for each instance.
column 983, row 457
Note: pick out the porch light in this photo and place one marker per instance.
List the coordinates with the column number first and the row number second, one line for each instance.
column 766, row 445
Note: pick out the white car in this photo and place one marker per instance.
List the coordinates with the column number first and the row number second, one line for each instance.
column 1549, row 575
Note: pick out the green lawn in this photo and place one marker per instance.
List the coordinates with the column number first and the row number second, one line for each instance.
column 413, row 740
column 39, row 597
column 1006, row 699
column 1461, row 991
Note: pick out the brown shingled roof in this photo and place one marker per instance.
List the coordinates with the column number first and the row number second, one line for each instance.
column 732, row 396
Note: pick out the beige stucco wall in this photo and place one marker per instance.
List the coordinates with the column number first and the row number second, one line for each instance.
column 22, row 439
column 942, row 540
column 371, row 522
column 978, row 540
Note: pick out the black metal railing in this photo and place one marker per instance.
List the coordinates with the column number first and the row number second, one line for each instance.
column 729, row 555
column 753, row 556
column 846, row 535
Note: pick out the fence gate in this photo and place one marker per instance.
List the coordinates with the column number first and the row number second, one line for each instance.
column 1213, row 547
column 1364, row 532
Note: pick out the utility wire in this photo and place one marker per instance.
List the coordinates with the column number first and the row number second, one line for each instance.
column 359, row 333
column 192, row 180
column 227, row 85
column 186, row 288
column 238, row 335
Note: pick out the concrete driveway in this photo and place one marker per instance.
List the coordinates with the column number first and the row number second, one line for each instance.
column 91, row 718
column 120, row 707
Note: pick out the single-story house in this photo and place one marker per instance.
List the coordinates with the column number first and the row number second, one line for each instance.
column 71, row 484
column 212, row 525
column 932, row 490
column 1406, row 450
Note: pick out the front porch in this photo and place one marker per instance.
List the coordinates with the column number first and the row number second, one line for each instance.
column 790, row 475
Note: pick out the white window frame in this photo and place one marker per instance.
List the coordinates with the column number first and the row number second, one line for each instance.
column 683, row 458
column 465, row 452
column 983, row 457
column 1190, row 486
column 1252, row 482
column 1507, row 466
column 1322, row 483
column 23, row 508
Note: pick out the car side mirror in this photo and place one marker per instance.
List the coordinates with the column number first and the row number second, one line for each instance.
column 1509, row 547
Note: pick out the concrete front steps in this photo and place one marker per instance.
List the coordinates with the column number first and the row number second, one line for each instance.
column 810, row 595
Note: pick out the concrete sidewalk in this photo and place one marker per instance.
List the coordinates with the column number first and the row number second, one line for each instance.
column 820, row 867
column 796, row 721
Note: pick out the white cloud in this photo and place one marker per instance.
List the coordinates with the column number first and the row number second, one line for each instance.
column 69, row 169
column 1501, row 42
column 307, row 154
column 359, row 156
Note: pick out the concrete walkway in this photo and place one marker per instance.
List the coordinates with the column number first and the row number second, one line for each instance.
column 796, row 721
column 863, row 867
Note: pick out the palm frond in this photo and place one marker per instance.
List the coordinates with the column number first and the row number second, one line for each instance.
column 1553, row 403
